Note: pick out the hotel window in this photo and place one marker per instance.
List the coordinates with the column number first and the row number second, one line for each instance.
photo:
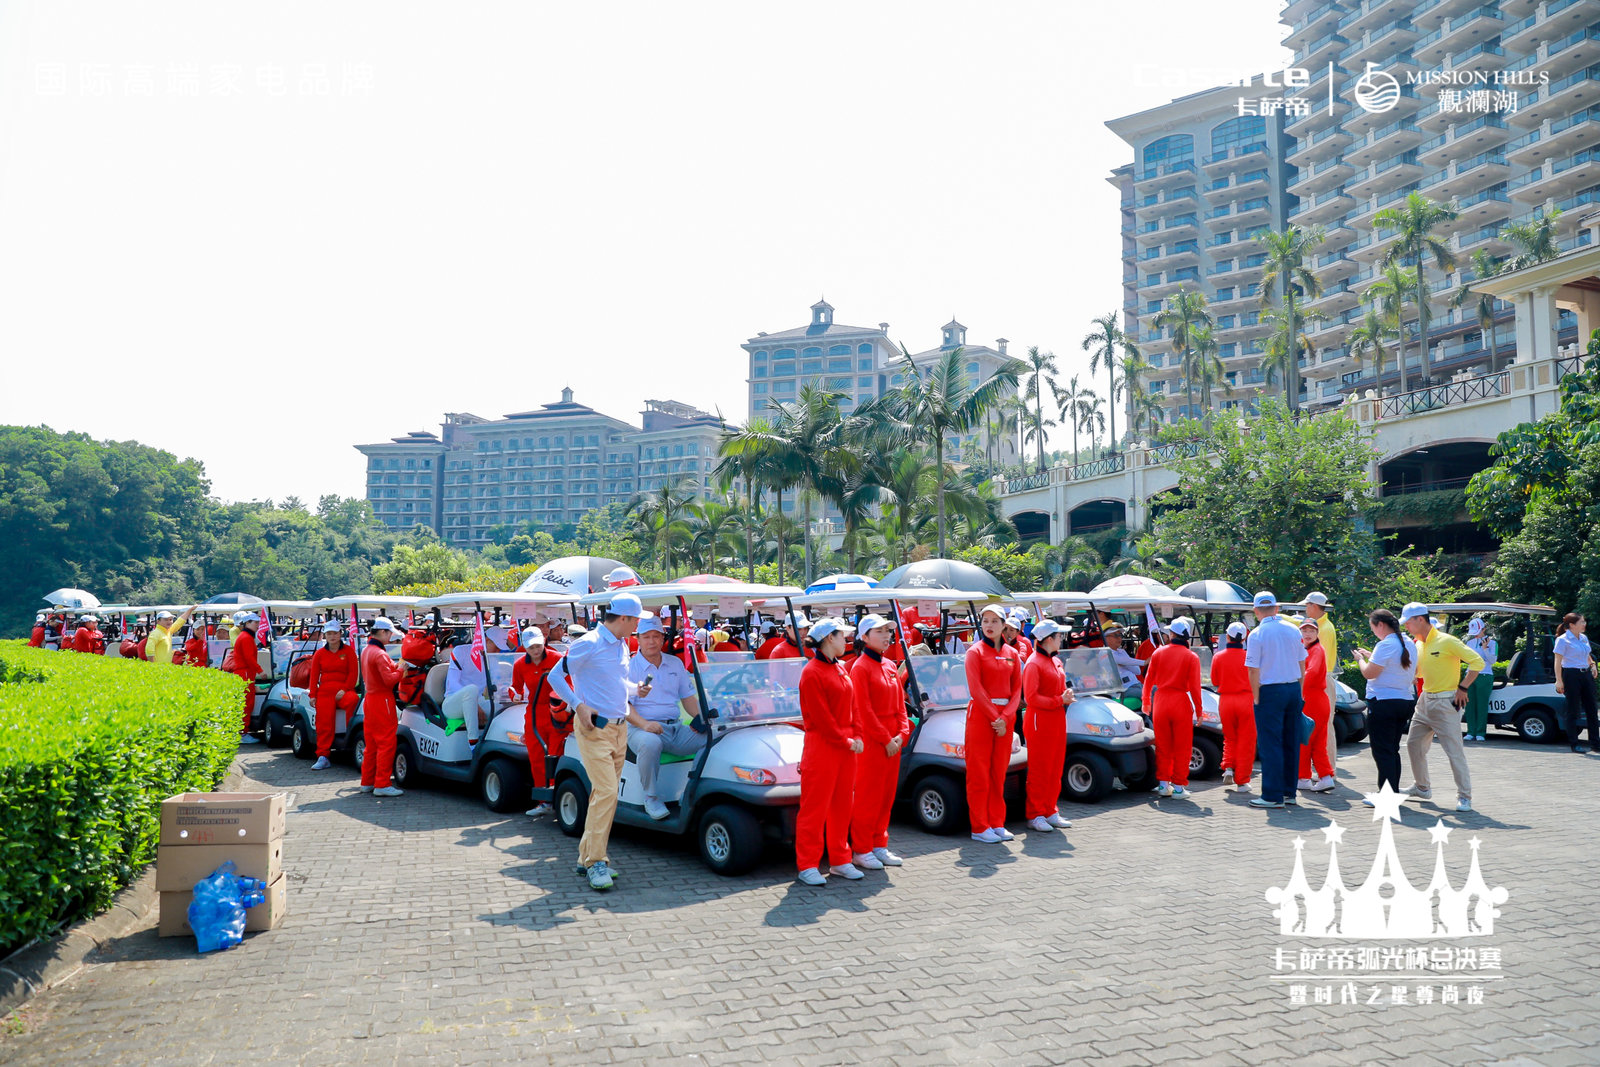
column 839, row 350
column 1243, row 130
column 838, row 366
column 864, row 363
column 781, row 369
column 864, row 350
column 864, row 382
column 809, row 353
column 760, row 372
column 811, row 366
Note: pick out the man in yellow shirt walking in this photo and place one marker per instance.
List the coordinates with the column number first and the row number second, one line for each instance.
column 158, row 647
column 1440, row 659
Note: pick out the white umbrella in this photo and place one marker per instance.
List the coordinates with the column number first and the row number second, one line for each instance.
column 571, row 574
column 1133, row 585
column 76, row 599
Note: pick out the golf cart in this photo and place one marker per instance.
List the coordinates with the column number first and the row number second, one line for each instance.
column 1524, row 697
column 289, row 712
column 744, row 785
column 491, row 753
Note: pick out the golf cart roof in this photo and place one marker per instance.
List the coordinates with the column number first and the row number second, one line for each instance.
column 515, row 602
column 1119, row 602
column 290, row 607
column 884, row 594
column 1493, row 607
column 364, row 602
column 694, row 593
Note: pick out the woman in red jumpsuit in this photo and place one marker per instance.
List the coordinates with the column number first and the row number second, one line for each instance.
column 880, row 698
column 246, row 665
column 994, row 685
column 381, row 674
column 332, row 685
column 1172, row 693
column 1046, row 695
column 828, row 757
column 538, row 718
column 1232, row 680
column 1314, row 691
column 36, row 639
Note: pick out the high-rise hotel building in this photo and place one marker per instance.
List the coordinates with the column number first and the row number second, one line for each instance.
column 1497, row 114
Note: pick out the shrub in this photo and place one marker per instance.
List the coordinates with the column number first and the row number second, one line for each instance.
column 89, row 748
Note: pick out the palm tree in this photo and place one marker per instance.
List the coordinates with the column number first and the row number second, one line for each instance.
column 1074, row 562
column 1536, row 239
column 1372, row 335
column 1068, row 400
column 744, row 454
column 907, row 480
column 1038, row 363
column 1142, row 560
column 814, row 444
column 1416, row 218
column 1282, row 350
column 1288, row 265
column 1146, row 412
column 710, row 526
column 1390, row 293
column 1484, row 265
column 1033, row 429
column 1107, row 345
column 1209, row 368
column 1140, row 402
column 928, row 405
column 659, row 515
column 1184, row 314
column 1091, row 416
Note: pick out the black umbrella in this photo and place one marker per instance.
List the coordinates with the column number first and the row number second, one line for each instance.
column 1217, row 591
column 233, row 600
column 944, row 574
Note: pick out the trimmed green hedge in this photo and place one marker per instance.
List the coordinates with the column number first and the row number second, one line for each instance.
column 89, row 748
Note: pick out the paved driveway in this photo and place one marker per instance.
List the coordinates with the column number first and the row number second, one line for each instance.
column 428, row 930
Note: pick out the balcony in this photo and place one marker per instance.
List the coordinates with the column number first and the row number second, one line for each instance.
column 1325, row 208
column 1322, row 51
column 1558, row 58
column 1320, row 146
column 1557, row 177
column 1556, row 137
column 1249, row 156
column 1152, row 178
column 1468, row 137
column 1458, row 178
column 1383, row 142
column 1358, row 123
column 1156, row 204
column 1323, row 18
column 1561, row 97
column 1364, row 16
column 1384, row 175
column 1234, row 186
column 1161, row 285
column 1459, row 34
column 1483, row 207
column 1179, row 254
column 1489, row 55
column 1236, row 297
column 1333, row 267
column 1550, row 20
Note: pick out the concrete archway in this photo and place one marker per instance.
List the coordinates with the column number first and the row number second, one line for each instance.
column 1032, row 526
column 1093, row 516
column 1437, row 465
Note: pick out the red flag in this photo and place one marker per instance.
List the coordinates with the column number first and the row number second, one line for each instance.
column 478, row 645
column 266, row 628
column 689, row 644
column 355, row 630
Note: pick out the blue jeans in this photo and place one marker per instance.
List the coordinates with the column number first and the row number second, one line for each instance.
column 1278, row 739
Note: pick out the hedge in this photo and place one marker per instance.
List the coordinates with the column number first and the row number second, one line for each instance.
column 89, row 748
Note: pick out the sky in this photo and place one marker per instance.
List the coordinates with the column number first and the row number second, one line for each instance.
column 259, row 234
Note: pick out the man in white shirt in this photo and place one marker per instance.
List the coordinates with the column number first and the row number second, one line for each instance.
column 1276, row 660
column 655, row 725
column 1127, row 667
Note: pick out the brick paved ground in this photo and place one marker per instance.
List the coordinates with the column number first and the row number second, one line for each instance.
column 429, row 930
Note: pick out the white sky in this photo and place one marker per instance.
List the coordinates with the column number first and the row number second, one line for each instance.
column 532, row 194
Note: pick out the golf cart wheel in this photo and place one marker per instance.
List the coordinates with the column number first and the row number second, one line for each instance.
column 405, row 766
column 1086, row 777
column 939, row 804
column 1205, row 758
column 503, row 785
column 1537, row 724
column 730, row 839
column 274, row 732
column 302, row 741
column 358, row 748
column 1145, row 780
column 572, row 806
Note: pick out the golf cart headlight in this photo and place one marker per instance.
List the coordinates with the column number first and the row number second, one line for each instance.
column 1207, row 715
column 514, row 736
column 755, row 775
column 1098, row 729
column 958, row 751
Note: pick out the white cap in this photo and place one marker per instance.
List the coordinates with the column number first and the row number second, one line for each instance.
column 1475, row 627
column 1265, row 599
column 1413, row 610
column 333, row 626
column 992, row 609
column 86, row 617
column 381, row 623
column 1181, row 627
column 1237, row 629
column 39, row 617
column 1045, row 628
column 1016, row 619
column 626, row 604
column 1319, row 599
column 649, row 624
column 621, row 574
column 162, row 615
column 869, row 623
column 532, row 635
column 242, row 617
column 799, row 621
column 822, row 628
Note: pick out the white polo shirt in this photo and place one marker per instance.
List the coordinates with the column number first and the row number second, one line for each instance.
column 1274, row 648
column 672, row 684
column 1572, row 652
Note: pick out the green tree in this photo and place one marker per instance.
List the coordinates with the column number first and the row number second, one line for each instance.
column 1185, row 315
column 1484, row 265
column 1069, row 401
column 1112, row 349
column 1535, row 240
column 1038, row 365
column 411, row 565
column 1288, row 269
column 1416, row 219
column 1371, row 337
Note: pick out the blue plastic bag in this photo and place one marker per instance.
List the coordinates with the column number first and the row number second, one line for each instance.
column 216, row 915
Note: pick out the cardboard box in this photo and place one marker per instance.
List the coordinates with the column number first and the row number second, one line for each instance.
column 179, row 867
column 264, row 916
column 222, row 818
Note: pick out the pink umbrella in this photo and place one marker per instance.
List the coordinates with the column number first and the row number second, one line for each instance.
column 704, row 579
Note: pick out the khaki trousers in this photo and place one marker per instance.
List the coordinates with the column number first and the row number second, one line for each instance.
column 603, row 752
column 1438, row 717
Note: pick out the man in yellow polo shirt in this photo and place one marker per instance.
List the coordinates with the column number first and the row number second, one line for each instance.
column 158, row 646
column 1440, row 659
column 1317, row 606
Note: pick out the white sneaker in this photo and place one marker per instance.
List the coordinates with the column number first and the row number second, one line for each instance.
column 988, row 837
column 1305, row 784
column 1419, row 794
column 538, row 810
column 1239, row 787
column 1463, row 805
column 1039, row 822
column 655, row 809
column 1326, row 784
column 887, row 858
column 1164, row 789
column 812, row 876
column 389, row 791
column 366, row 789
column 1059, row 821
column 1180, row 793
column 247, row 739
column 1227, row 776
column 322, row 764
column 846, row 870
column 1002, row 833
column 867, row 860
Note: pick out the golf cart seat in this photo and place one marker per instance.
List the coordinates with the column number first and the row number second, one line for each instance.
column 432, row 702
column 667, row 757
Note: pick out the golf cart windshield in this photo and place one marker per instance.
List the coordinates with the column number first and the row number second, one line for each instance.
column 752, row 692
column 1091, row 670
column 943, row 681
